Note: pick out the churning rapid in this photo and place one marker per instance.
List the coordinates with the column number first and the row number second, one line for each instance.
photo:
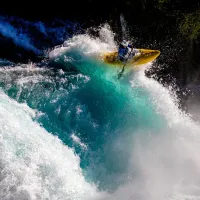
column 70, row 130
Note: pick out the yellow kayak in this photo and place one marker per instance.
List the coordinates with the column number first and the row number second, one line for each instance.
column 143, row 57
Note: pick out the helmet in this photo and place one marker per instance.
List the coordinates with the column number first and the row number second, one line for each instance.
column 124, row 43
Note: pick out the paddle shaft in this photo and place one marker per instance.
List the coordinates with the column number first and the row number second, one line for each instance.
column 120, row 74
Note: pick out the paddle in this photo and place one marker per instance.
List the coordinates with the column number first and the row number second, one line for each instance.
column 120, row 74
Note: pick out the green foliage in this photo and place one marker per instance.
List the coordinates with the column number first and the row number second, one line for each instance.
column 161, row 4
column 190, row 25
column 162, row 1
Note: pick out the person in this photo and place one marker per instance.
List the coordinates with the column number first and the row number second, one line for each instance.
column 124, row 50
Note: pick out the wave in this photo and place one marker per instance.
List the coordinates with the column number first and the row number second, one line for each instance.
column 127, row 137
column 34, row 164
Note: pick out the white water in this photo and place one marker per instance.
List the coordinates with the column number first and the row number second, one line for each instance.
column 36, row 165
column 88, row 45
column 164, row 165
column 33, row 163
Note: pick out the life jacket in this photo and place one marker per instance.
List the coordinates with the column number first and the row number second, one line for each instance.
column 124, row 51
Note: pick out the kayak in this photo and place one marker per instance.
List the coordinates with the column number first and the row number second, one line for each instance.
column 143, row 56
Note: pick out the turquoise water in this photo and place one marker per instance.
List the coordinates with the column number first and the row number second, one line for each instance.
column 127, row 133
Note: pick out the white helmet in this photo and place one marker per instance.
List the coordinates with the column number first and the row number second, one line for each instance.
column 124, row 43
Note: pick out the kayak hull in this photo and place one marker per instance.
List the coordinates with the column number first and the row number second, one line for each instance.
column 143, row 57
